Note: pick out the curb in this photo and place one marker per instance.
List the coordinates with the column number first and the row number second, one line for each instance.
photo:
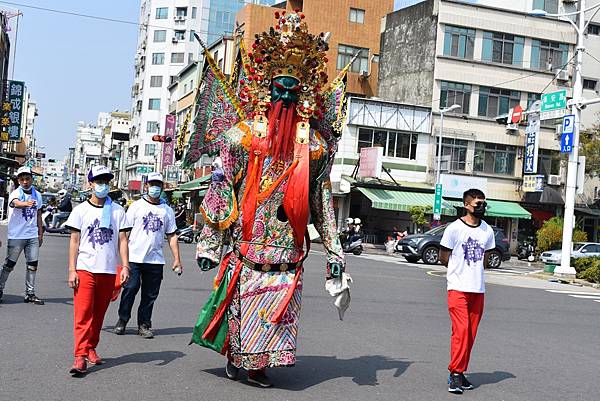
column 576, row 281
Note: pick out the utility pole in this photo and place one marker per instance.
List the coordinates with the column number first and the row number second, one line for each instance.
column 565, row 267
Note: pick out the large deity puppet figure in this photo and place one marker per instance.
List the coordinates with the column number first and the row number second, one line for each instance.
column 275, row 136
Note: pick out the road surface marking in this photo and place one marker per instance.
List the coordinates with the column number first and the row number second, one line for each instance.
column 585, row 296
column 574, row 292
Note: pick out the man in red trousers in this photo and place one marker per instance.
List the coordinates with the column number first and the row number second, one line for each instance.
column 465, row 248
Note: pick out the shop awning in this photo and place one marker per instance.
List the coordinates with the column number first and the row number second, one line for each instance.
column 506, row 209
column 195, row 184
column 588, row 211
column 179, row 194
column 402, row 201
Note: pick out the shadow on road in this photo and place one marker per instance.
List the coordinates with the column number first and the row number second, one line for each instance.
column 313, row 370
column 173, row 330
column 163, row 357
column 483, row 378
column 18, row 299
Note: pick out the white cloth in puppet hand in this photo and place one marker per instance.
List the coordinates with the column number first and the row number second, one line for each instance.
column 339, row 287
column 218, row 175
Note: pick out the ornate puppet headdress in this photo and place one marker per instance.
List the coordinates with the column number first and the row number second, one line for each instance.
column 287, row 49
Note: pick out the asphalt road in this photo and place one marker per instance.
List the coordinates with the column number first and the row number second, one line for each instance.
column 393, row 345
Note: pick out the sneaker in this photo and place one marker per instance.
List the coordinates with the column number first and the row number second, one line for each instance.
column 259, row 378
column 466, row 384
column 79, row 366
column 31, row 298
column 93, row 358
column 231, row 371
column 120, row 327
column 145, row 332
column 455, row 383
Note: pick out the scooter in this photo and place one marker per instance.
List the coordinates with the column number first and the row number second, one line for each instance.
column 526, row 250
column 47, row 214
column 355, row 247
column 187, row 235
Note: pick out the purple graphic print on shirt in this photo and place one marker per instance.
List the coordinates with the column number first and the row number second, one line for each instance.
column 152, row 223
column 29, row 213
column 473, row 251
column 99, row 235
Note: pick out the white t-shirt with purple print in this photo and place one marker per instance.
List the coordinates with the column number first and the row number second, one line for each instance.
column 150, row 224
column 98, row 246
column 468, row 245
column 22, row 222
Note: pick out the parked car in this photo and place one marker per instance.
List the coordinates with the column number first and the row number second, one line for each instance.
column 580, row 250
column 427, row 247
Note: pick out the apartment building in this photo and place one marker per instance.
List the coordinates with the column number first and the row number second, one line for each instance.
column 352, row 24
column 487, row 60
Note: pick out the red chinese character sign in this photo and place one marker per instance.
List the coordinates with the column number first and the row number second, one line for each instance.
column 12, row 111
column 169, row 146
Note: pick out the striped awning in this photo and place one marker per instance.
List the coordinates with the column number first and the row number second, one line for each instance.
column 402, row 201
column 195, row 184
column 498, row 208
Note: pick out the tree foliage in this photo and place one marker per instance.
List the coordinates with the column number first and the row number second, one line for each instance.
column 550, row 235
column 590, row 148
column 417, row 214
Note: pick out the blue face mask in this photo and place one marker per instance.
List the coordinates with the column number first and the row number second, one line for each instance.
column 101, row 190
column 154, row 191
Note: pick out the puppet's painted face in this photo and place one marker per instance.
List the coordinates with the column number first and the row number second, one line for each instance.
column 285, row 89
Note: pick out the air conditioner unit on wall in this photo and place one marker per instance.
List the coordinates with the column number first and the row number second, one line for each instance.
column 562, row 75
column 554, row 180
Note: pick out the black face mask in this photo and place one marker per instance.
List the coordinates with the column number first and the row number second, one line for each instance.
column 479, row 209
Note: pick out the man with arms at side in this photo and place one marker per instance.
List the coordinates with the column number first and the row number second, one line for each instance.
column 464, row 251
column 98, row 237
column 151, row 219
column 25, row 233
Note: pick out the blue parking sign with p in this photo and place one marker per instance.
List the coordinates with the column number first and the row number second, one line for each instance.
column 568, row 124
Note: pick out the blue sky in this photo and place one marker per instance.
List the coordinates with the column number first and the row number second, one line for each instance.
column 76, row 67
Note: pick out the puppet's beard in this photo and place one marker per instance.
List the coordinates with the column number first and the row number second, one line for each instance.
column 282, row 130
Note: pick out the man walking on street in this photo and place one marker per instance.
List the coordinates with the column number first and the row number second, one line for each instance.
column 25, row 233
column 98, row 228
column 152, row 219
column 465, row 249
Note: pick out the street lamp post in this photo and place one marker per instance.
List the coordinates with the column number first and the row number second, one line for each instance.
column 439, row 159
column 565, row 267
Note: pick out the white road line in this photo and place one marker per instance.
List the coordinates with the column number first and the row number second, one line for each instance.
column 596, row 300
column 585, row 296
column 573, row 292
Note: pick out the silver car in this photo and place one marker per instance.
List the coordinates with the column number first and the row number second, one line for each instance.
column 580, row 250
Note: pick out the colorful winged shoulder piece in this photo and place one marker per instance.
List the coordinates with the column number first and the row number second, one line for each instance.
column 216, row 111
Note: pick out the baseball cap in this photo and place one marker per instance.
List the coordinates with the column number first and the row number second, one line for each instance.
column 155, row 177
column 24, row 170
column 100, row 172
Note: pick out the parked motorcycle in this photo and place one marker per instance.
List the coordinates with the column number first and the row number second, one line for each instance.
column 526, row 250
column 355, row 246
column 47, row 214
column 187, row 235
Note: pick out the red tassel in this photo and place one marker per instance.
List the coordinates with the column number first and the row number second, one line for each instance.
column 295, row 200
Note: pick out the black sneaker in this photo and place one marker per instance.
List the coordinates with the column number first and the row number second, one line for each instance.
column 259, row 378
column 231, row 371
column 145, row 331
column 455, row 383
column 120, row 327
column 32, row 299
column 466, row 384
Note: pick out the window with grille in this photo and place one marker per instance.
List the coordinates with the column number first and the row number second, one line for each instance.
column 455, row 93
column 495, row 101
column 503, row 48
column 491, row 158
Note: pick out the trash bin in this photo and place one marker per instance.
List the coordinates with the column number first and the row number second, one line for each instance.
column 549, row 268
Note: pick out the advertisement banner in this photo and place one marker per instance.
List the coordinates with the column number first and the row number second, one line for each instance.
column 169, row 147
column 453, row 186
column 533, row 183
column 532, row 144
column 12, row 111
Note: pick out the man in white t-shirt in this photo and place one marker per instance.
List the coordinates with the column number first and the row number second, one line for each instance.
column 98, row 237
column 25, row 233
column 151, row 219
column 464, row 251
